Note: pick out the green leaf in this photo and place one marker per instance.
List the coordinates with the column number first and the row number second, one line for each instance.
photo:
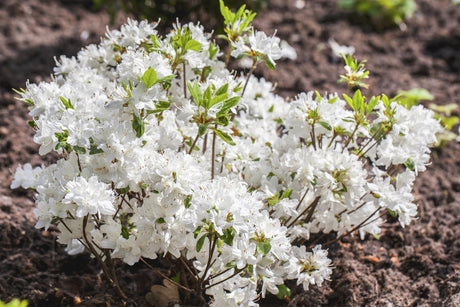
column 226, row 13
column 125, row 232
column 207, row 97
column 124, row 190
column 238, row 87
column 187, row 201
column 22, row 91
column 231, row 264
column 64, row 145
column 202, row 129
column 270, row 64
column 196, row 93
column 449, row 122
column 216, row 99
column 325, row 125
column 127, row 90
column 222, row 120
column 357, row 100
column 138, row 125
column 349, row 101
column 199, row 243
column 166, row 79
column 447, row 109
column 386, row 101
column 263, row 247
column 79, row 150
column 228, row 104
column 393, row 213
column 192, row 45
column 149, row 77
column 228, row 235
column 372, row 103
column 94, row 150
column 239, row 13
column 222, row 90
column 156, row 43
column 283, row 292
column 66, row 102
column 417, row 93
column 15, row 303
column 286, row 194
column 28, row 101
column 160, row 106
column 212, row 51
column 224, row 136
column 160, row 220
column 62, row 136
column 410, row 164
column 197, row 231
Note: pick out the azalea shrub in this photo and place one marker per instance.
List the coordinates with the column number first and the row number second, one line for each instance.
column 166, row 153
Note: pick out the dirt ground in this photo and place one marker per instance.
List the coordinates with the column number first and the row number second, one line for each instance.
column 415, row 266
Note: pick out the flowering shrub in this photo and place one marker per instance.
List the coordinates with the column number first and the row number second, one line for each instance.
column 166, row 153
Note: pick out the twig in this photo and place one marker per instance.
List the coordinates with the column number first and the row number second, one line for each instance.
column 213, row 152
column 224, row 280
column 194, row 143
column 354, row 228
column 310, row 207
column 164, row 276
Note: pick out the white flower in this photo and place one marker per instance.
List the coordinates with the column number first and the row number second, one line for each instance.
column 339, row 50
column 315, row 267
column 90, row 196
column 270, row 46
column 26, row 177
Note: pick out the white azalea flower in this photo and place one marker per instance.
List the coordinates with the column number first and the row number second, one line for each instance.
column 90, row 196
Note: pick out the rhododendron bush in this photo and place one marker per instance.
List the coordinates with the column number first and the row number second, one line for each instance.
column 166, row 153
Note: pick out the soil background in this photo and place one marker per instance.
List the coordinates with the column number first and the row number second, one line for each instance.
column 415, row 266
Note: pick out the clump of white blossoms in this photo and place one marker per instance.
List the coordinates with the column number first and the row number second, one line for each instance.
column 166, row 153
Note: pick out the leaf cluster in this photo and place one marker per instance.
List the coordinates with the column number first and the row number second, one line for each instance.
column 381, row 13
column 356, row 74
column 14, row 303
column 236, row 23
column 208, row 99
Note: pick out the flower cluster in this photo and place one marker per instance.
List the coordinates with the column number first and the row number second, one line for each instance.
column 166, row 153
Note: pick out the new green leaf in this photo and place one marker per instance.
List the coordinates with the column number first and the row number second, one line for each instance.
column 149, row 77
column 263, row 247
column 138, row 125
column 66, row 102
column 199, row 243
column 224, row 136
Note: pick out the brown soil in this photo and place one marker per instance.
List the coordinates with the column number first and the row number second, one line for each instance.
column 415, row 266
